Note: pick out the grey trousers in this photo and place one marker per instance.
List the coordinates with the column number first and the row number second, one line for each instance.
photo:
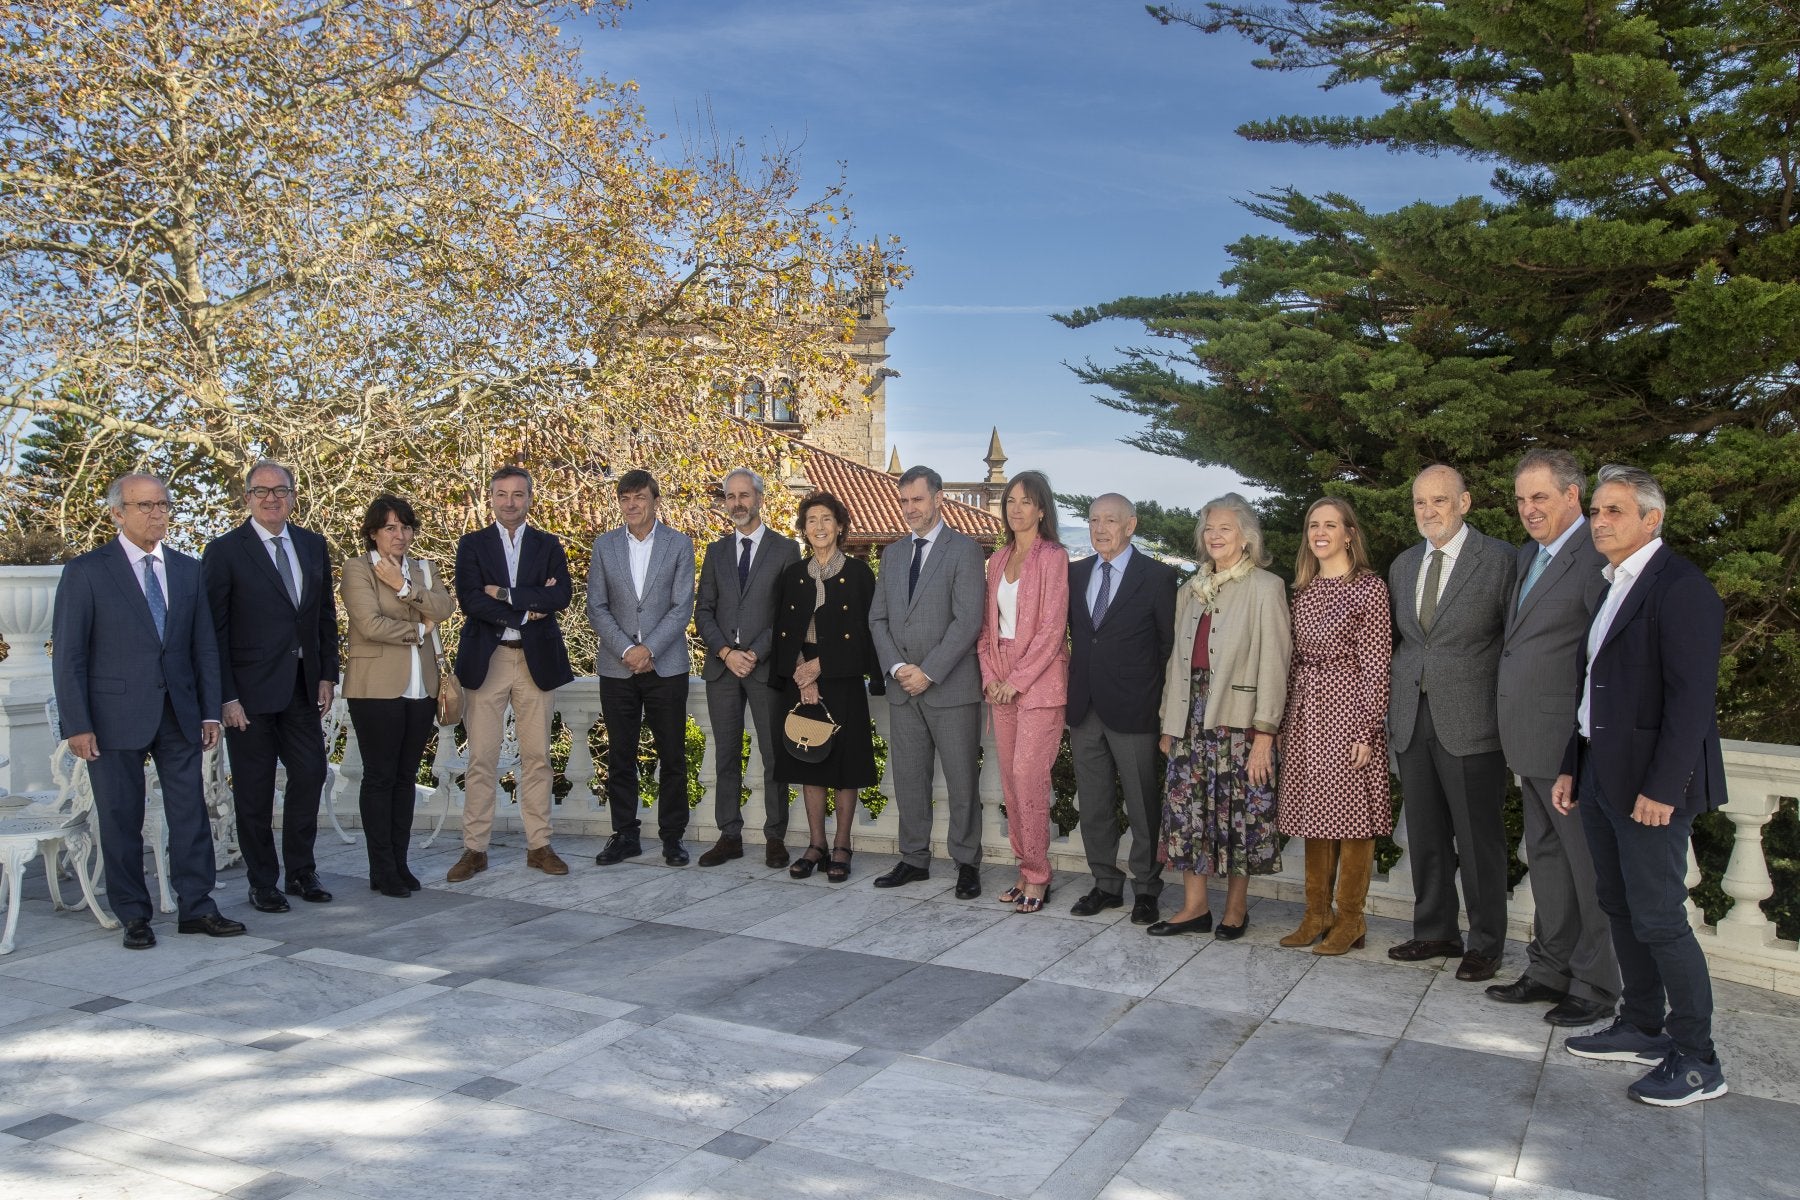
column 1571, row 939
column 918, row 734
column 726, row 698
column 1455, row 830
column 1103, row 756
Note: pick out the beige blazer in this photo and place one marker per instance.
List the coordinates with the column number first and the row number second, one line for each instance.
column 1251, row 642
column 384, row 630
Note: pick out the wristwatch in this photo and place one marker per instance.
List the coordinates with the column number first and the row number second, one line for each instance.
column 506, row 595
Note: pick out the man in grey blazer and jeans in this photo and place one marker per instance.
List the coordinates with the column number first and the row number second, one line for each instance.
column 1559, row 587
column 640, row 600
column 925, row 619
column 1449, row 596
column 740, row 579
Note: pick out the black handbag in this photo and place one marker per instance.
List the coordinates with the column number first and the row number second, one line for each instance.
column 809, row 739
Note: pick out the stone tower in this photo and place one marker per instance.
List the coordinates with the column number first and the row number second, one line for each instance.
column 860, row 434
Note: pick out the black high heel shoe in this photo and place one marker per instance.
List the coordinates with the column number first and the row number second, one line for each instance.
column 803, row 866
column 836, row 871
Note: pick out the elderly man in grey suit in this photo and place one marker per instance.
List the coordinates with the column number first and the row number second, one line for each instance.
column 924, row 620
column 640, row 600
column 1559, row 587
column 1449, row 595
column 740, row 578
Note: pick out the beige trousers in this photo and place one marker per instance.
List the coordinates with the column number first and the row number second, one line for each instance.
column 484, row 721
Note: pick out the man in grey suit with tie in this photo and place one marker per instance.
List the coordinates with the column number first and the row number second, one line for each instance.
column 1571, row 955
column 740, row 579
column 137, row 676
column 1449, row 595
column 640, row 600
column 925, row 620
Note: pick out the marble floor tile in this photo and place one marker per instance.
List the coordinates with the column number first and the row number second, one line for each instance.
column 668, row 892
column 1160, row 1051
column 915, row 1009
column 590, row 968
column 1751, row 1150
column 105, row 969
column 1761, row 1054
column 1025, row 948
column 49, row 994
column 708, row 1081
column 948, row 1133
column 924, row 931
column 1167, row 1165
column 741, row 907
column 782, row 1172
column 468, row 1030
column 798, row 996
column 831, row 918
column 1123, row 958
column 1303, row 1079
column 1420, row 1105
column 809, row 1045
column 1033, row 1030
column 47, row 1172
column 707, row 973
column 15, row 1009
column 278, row 993
column 520, row 945
column 1359, row 996
column 405, row 941
column 1236, row 977
column 83, row 1065
column 781, row 1117
column 163, row 1159
column 1738, row 997
column 584, row 884
column 1518, row 1189
column 1462, row 1015
column 1081, row 1175
column 1585, row 1135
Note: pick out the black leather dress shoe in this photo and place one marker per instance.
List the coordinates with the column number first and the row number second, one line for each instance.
column 968, row 882
column 1476, row 968
column 1575, row 1011
column 901, row 873
column 410, row 880
column 1144, row 911
column 308, row 888
column 1096, row 900
column 139, row 935
column 1524, row 990
column 1199, row 924
column 674, row 853
column 1418, row 950
column 618, row 848
column 212, row 925
column 268, row 900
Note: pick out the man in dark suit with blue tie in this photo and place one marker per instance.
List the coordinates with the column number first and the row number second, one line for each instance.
column 268, row 583
column 137, row 676
column 1644, row 761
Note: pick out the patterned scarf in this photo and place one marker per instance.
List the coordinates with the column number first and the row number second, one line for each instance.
column 1207, row 583
column 820, row 572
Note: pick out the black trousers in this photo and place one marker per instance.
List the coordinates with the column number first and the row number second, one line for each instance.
column 1640, row 874
column 118, row 780
column 627, row 705
column 1455, row 826
column 294, row 738
column 392, row 736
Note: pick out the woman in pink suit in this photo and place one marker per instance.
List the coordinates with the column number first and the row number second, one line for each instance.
column 1024, row 651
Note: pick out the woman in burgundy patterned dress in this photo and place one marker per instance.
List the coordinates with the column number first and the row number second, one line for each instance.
column 1334, row 774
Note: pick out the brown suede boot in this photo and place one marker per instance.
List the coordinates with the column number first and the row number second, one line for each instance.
column 1356, row 861
column 1321, row 865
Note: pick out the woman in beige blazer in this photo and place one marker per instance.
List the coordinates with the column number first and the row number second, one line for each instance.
column 391, row 680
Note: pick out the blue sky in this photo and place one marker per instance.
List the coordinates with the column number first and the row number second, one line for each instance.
column 1034, row 157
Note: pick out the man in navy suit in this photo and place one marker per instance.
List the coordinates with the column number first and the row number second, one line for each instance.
column 137, row 676
column 511, row 581
column 268, row 583
column 1643, row 763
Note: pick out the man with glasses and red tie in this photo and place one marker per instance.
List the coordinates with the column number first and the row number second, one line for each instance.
column 137, row 677
column 268, row 583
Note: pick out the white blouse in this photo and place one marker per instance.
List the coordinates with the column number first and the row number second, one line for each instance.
column 415, row 686
column 1008, row 602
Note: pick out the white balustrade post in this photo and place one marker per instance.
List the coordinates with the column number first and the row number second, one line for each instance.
column 578, row 704
column 1747, row 879
column 883, row 830
column 703, row 826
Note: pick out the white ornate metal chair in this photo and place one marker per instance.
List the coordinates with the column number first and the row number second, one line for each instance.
column 60, row 827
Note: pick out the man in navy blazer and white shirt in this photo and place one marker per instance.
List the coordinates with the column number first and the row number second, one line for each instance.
column 137, row 676
column 269, row 585
column 1644, row 761
column 511, row 582
column 640, row 600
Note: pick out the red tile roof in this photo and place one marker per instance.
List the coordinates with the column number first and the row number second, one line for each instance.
column 873, row 498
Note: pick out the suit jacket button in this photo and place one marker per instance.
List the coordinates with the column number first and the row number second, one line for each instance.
column 846, row 637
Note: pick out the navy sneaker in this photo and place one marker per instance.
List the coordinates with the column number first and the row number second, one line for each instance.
column 1680, row 1079
column 1623, row 1042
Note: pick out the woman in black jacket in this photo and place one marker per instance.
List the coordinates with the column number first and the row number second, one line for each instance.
column 823, row 652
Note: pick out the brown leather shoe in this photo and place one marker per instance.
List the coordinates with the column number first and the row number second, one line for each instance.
column 471, row 864
column 1418, row 950
column 723, row 850
column 775, row 854
column 1477, row 969
column 544, row 859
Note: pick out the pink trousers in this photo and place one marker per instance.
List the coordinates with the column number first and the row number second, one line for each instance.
column 1027, row 739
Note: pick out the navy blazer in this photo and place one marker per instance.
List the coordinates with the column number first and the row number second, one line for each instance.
column 481, row 560
column 257, row 625
column 111, row 672
column 1117, row 669
column 1653, row 723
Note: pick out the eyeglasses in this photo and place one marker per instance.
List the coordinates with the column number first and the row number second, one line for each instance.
column 263, row 493
column 148, row 507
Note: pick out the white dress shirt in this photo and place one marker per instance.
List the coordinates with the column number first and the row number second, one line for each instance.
column 287, row 547
column 640, row 556
column 1621, row 577
column 1451, row 549
column 136, row 556
column 415, row 683
column 1118, row 573
column 509, row 543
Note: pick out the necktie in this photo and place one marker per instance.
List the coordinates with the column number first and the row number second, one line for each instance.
column 1537, row 569
column 1105, row 596
column 744, row 564
column 286, row 569
column 1434, row 576
column 912, row 573
column 159, row 609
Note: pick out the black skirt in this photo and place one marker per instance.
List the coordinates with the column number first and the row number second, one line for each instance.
column 851, row 763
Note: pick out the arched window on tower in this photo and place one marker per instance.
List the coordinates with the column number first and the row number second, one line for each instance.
column 782, row 402
column 751, row 400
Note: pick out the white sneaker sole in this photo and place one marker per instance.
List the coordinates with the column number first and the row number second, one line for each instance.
column 1677, row 1102
column 1646, row 1058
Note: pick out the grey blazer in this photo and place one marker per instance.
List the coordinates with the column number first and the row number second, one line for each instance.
column 1540, row 658
column 742, row 618
column 937, row 630
column 659, row 618
column 1458, row 662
